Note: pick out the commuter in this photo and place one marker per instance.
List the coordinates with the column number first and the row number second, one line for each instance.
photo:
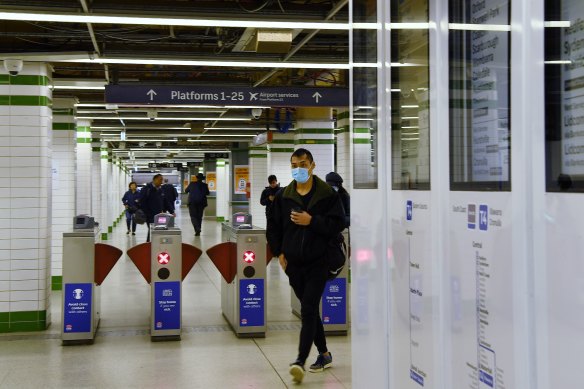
column 170, row 195
column 336, row 182
column 129, row 201
column 197, row 202
column 305, row 216
column 268, row 194
column 152, row 201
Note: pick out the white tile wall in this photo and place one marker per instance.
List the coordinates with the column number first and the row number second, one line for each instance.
column 223, row 191
column 258, row 170
column 95, row 182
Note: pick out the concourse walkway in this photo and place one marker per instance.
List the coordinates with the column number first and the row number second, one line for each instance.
column 208, row 356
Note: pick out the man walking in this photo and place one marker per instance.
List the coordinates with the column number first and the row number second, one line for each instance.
column 198, row 192
column 305, row 216
column 170, row 195
column 152, row 201
column 269, row 193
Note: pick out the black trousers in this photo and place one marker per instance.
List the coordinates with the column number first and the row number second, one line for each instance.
column 130, row 221
column 308, row 284
column 196, row 213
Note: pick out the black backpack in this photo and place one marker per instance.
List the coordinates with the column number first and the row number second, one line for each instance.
column 336, row 256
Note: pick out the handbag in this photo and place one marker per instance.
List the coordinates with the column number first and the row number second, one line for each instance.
column 139, row 216
column 336, row 256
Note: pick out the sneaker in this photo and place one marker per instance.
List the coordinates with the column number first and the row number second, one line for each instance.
column 322, row 362
column 128, row 233
column 133, row 233
column 198, row 233
column 297, row 372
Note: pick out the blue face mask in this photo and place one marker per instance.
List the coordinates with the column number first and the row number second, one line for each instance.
column 300, row 174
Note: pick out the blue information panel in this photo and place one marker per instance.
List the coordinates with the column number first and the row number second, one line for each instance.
column 167, row 305
column 77, row 308
column 334, row 302
column 251, row 302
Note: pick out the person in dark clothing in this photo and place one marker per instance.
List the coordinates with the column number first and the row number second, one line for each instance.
column 152, row 201
column 336, row 182
column 268, row 194
column 170, row 195
column 197, row 202
column 130, row 202
column 305, row 216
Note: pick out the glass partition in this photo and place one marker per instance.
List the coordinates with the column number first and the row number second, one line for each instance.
column 364, row 125
column 479, row 44
column 564, row 95
column 410, row 107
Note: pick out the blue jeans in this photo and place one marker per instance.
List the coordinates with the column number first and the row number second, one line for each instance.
column 130, row 221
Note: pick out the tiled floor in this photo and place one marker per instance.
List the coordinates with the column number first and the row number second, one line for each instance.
column 208, row 356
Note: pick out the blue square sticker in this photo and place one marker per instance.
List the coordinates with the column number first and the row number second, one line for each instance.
column 77, row 309
column 251, row 304
column 483, row 217
column 409, row 210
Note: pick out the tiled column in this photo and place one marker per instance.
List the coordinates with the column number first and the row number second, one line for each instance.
column 343, row 139
column 223, row 190
column 106, row 176
column 258, row 175
column 83, row 190
column 63, row 163
column 314, row 132
column 25, row 199
column 279, row 150
column 95, row 182
column 362, row 152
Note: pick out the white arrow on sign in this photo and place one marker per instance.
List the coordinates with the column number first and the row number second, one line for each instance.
column 151, row 93
column 316, row 96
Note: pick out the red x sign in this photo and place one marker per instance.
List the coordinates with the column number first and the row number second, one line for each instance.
column 249, row 256
column 163, row 258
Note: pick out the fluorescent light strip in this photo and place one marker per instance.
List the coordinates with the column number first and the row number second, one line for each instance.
column 409, row 127
column 366, row 26
column 105, row 19
column 395, row 90
column 479, row 27
column 73, row 87
column 237, row 128
column 367, row 64
column 231, row 64
column 408, row 26
column 559, row 62
column 558, row 23
column 402, row 65
column 409, row 118
column 159, row 118
column 410, row 106
column 224, row 135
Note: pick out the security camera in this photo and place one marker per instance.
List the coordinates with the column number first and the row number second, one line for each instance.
column 256, row 113
column 13, row 66
column 152, row 114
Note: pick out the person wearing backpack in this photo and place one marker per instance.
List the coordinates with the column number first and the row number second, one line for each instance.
column 305, row 217
column 152, row 201
column 197, row 202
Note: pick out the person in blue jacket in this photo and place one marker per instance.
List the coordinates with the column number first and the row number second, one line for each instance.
column 129, row 201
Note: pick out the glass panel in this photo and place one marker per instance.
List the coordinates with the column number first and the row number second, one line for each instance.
column 365, row 146
column 564, row 94
column 410, row 128
column 480, row 157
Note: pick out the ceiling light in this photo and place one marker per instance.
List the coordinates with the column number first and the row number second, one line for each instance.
column 159, row 118
column 479, row 27
column 408, row 26
column 75, row 87
column 231, row 64
column 558, row 23
column 122, row 19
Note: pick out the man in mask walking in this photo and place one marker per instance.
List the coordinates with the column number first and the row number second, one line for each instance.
column 305, row 216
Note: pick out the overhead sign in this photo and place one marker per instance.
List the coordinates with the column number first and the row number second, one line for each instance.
column 226, row 96
column 165, row 165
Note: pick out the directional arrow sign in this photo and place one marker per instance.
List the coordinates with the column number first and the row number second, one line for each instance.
column 226, row 96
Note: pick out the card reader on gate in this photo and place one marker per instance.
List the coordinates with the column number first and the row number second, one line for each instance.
column 163, row 221
column 83, row 222
column 241, row 220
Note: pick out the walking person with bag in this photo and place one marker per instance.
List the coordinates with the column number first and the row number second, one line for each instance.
column 306, row 216
column 129, row 201
column 197, row 202
column 152, row 201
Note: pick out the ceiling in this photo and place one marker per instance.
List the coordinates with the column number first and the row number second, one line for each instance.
column 172, row 127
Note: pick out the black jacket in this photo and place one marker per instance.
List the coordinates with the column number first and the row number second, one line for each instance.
column 170, row 195
column 304, row 245
column 152, row 202
column 198, row 192
column 264, row 199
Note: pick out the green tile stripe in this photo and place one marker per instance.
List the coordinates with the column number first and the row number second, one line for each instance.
column 361, row 130
column 57, row 283
column 63, row 112
column 358, row 141
column 239, row 202
column 33, row 101
column 344, row 129
column 315, row 142
column 343, row 115
column 314, row 131
column 64, row 126
column 220, row 219
column 23, row 321
column 282, row 141
column 259, row 148
column 83, row 129
column 104, row 236
column 6, row 79
column 281, row 150
column 83, row 140
column 258, row 155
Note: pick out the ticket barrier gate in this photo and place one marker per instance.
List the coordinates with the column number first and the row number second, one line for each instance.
column 334, row 303
column 164, row 263
column 242, row 259
column 86, row 264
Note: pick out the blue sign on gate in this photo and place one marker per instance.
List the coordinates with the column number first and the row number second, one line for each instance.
column 226, row 96
column 167, row 305
column 334, row 302
column 251, row 302
column 77, row 308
